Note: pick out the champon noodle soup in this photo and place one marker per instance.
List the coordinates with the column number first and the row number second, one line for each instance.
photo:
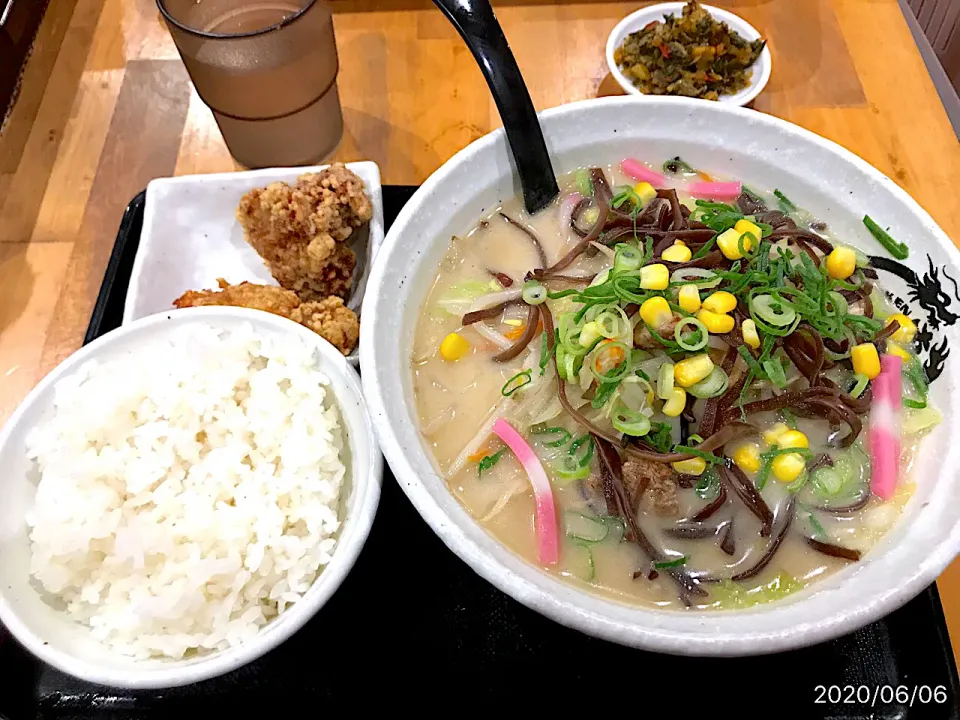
column 673, row 390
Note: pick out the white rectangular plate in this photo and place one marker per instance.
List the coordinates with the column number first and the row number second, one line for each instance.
column 191, row 237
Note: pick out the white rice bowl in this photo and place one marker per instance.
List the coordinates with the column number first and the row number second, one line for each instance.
column 182, row 495
column 189, row 491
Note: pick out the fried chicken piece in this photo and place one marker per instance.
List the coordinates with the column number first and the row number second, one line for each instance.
column 268, row 298
column 332, row 320
column 300, row 230
column 329, row 318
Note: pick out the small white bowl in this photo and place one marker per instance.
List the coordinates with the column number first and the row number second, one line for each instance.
column 66, row 645
column 635, row 21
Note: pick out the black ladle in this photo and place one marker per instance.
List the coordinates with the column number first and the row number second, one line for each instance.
column 478, row 26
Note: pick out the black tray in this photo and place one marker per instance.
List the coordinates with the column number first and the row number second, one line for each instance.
column 413, row 627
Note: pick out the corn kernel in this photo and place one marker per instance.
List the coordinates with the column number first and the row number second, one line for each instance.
column 841, row 263
column 691, row 466
column 692, row 370
column 677, row 254
column 678, row 400
column 646, row 191
column 655, row 312
column 689, row 298
column 772, row 435
column 654, row 277
column 720, row 302
column 453, row 347
column 899, row 351
column 787, row 468
column 681, row 243
column 866, row 360
column 729, row 243
column 589, row 334
column 717, row 323
column 745, row 226
column 907, row 330
column 750, row 336
column 793, row 439
column 747, row 457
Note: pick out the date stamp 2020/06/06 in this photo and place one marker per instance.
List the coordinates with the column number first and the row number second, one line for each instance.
column 881, row 695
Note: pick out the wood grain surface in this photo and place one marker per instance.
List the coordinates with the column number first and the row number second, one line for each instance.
column 107, row 106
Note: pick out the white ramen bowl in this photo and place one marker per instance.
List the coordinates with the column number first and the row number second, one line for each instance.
column 51, row 635
column 764, row 152
column 759, row 71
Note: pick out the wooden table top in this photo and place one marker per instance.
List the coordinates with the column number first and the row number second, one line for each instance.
column 107, row 106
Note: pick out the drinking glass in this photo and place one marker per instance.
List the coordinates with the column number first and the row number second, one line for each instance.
column 267, row 70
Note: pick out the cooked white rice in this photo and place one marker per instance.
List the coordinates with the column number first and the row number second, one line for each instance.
column 189, row 490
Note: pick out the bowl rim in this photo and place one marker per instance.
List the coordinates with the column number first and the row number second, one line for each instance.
column 762, row 68
column 173, row 673
column 555, row 602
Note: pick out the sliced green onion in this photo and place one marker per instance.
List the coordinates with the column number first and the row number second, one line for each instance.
column 713, row 385
column 751, row 361
column 786, row 204
column 666, row 564
column 914, row 404
column 613, row 323
column 705, row 248
column 619, row 371
column 604, row 392
column 687, row 450
column 534, row 293
column 521, row 379
column 742, row 244
column 545, row 353
column 567, row 467
column 570, row 366
column 665, row 381
column 917, row 377
column 838, row 302
column 627, row 257
column 702, row 335
column 774, row 371
column 585, row 527
column 708, row 486
column 584, row 182
column 676, row 165
column 817, row 527
column 701, row 277
column 826, row 481
column 772, row 312
column 625, row 287
column 860, row 385
column 488, row 461
column 564, row 434
column 895, row 248
column 629, row 422
column 588, row 453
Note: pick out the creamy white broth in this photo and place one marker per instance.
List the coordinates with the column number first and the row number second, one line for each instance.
column 457, row 400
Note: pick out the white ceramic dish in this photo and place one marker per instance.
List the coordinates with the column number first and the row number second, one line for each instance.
column 635, row 21
column 67, row 646
column 191, row 237
column 763, row 152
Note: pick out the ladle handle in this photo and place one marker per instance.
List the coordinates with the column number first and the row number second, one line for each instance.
column 478, row 26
